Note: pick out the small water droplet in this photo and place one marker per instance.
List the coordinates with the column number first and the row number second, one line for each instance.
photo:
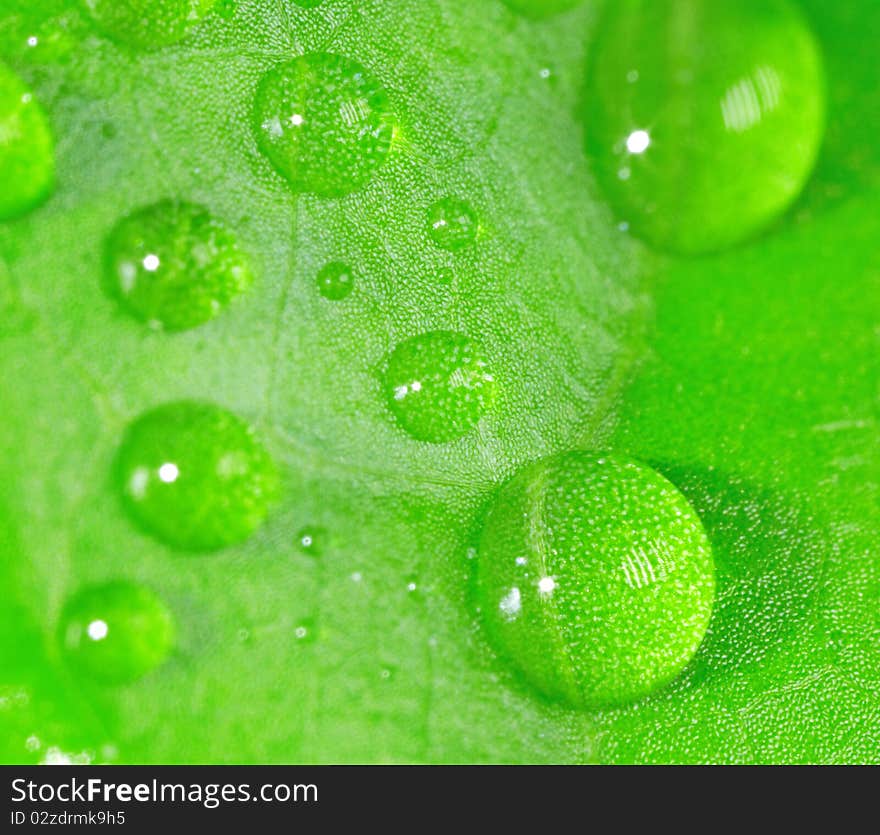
column 175, row 266
column 438, row 386
column 27, row 150
column 147, row 24
column 324, row 123
column 305, row 631
column 310, row 540
column 623, row 585
column 224, row 480
column 452, row 224
column 445, row 275
column 226, row 8
column 136, row 634
column 335, row 281
column 675, row 93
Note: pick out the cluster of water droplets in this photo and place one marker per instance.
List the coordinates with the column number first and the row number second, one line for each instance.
column 594, row 575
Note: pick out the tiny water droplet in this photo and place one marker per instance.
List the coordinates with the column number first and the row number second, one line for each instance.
column 305, row 632
column 438, row 386
column 226, row 8
column 452, row 224
column 335, row 281
column 147, row 24
column 445, row 275
column 699, row 135
column 175, row 266
column 116, row 632
column 310, row 540
column 194, row 476
column 324, row 123
column 595, row 578
column 27, row 150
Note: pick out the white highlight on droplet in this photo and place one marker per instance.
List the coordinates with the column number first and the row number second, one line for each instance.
column 511, row 604
column 151, row 263
column 97, row 630
column 638, row 141
column 168, row 473
column 546, row 585
column 297, row 119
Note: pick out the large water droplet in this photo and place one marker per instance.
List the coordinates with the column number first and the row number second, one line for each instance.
column 703, row 119
column 27, row 162
column 116, row 632
column 175, row 266
column 438, row 386
column 324, row 123
column 335, row 281
column 194, row 476
column 540, row 9
column 147, row 24
column 595, row 578
column 452, row 224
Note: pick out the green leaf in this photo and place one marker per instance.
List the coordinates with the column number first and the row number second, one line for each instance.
column 749, row 379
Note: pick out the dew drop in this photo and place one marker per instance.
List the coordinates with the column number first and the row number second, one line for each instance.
column 27, row 162
column 226, row 8
column 445, row 275
column 223, row 478
column 335, row 281
column 452, row 224
column 595, row 578
column 305, row 631
column 324, row 123
column 540, row 9
column 438, row 386
column 148, row 24
column 174, row 266
column 703, row 120
column 116, row 632
column 310, row 540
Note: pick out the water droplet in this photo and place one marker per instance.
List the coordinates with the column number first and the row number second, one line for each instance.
column 445, row 275
column 438, row 386
column 174, row 266
column 305, row 631
column 324, row 123
column 452, row 224
column 335, row 281
column 310, row 540
column 116, row 632
column 539, row 9
column 716, row 132
column 148, row 24
column 226, row 8
column 615, row 592
column 27, row 162
column 223, row 478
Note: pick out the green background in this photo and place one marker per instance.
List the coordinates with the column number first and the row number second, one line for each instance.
column 749, row 378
